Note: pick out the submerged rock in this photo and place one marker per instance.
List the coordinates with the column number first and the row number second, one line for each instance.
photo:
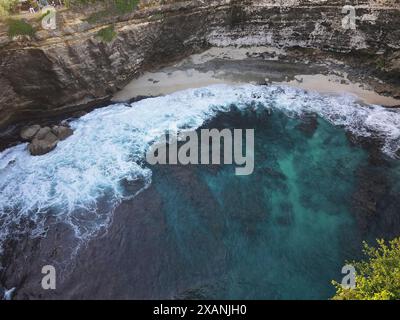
column 28, row 133
column 308, row 125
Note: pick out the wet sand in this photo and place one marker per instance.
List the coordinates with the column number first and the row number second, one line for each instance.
column 260, row 65
column 332, row 84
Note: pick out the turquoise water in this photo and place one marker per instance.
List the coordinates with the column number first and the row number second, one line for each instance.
column 283, row 232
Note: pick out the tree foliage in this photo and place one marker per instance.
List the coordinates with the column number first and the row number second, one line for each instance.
column 378, row 277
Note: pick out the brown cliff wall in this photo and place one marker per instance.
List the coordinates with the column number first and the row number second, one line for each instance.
column 61, row 71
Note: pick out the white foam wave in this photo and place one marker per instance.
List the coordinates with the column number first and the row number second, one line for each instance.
column 83, row 179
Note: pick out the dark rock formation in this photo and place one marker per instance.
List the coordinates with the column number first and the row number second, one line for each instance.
column 44, row 140
column 62, row 132
column 60, row 72
column 28, row 133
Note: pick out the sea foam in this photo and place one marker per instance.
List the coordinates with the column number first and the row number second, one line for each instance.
column 84, row 178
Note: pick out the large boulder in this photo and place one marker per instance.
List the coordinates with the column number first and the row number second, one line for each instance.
column 44, row 142
column 28, row 133
column 41, row 134
column 62, row 132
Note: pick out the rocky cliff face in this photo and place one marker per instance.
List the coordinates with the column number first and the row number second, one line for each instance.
column 62, row 71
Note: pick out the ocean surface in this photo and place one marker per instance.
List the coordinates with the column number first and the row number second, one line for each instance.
column 327, row 177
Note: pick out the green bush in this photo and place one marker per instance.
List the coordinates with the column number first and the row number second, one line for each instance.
column 107, row 34
column 113, row 8
column 19, row 28
column 98, row 16
column 377, row 278
column 125, row 6
column 380, row 63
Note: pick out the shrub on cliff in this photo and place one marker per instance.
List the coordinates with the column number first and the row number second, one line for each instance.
column 122, row 6
column 107, row 34
column 19, row 28
column 125, row 6
column 378, row 277
column 110, row 8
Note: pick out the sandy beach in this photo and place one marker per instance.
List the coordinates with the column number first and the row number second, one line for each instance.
column 257, row 65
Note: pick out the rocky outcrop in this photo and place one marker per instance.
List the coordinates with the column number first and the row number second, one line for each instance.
column 62, row 132
column 63, row 71
column 44, row 140
column 28, row 133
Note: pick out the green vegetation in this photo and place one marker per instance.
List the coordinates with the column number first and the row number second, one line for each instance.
column 113, row 8
column 378, row 278
column 380, row 63
column 125, row 6
column 98, row 16
column 107, row 34
column 19, row 28
column 6, row 6
column 157, row 16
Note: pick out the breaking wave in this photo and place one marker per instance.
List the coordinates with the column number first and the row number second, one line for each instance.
column 102, row 163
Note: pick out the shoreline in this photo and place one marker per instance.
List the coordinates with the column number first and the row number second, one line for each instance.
column 255, row 65
column 260, row 65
